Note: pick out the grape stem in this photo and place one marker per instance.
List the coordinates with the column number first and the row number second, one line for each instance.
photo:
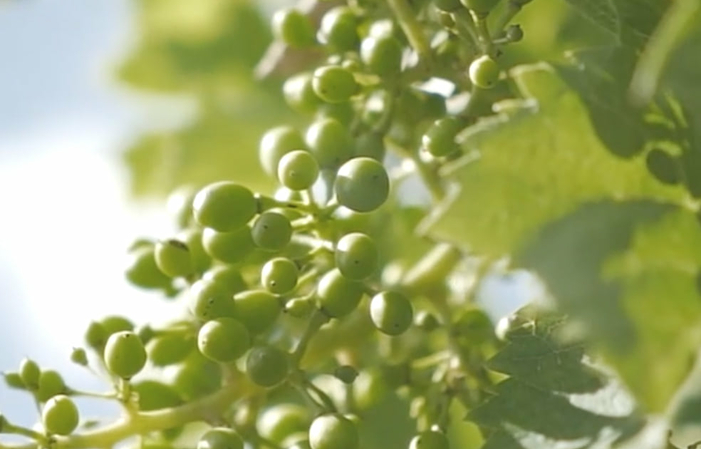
column 145, row 422
column 411, row 26
column 485, row 39
column 429, row 176
column 317, row 320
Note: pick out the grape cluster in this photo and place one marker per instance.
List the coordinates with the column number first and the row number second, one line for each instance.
column 291, row 295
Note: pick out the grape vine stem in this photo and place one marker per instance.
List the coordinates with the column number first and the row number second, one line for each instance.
column 411, row 26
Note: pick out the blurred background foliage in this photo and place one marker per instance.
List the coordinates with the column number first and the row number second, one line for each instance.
column 208, row 50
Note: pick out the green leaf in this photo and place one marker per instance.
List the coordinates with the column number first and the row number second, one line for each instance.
column 626, row 271
column 537, row 404
column 630, row 22
column 525, row 170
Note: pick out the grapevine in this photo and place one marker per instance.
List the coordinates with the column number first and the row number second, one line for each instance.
column 303, row 313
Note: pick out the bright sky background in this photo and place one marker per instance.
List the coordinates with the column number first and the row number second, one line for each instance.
column 65, row 219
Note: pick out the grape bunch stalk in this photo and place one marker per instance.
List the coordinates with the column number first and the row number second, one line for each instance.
column 297, row 318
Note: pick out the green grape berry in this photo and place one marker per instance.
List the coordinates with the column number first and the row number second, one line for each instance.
column 170, row 349
column 338, row 296
column 281, row 421
column 197, row 377
column 299, row 307
column 481, row 7
column 193, row 240
column 298, row 170
column 484, row 72
column 474, row 325
column 60, row 415
column 334, row 84
column 220, row 438
column 362, row 184
column 330, row 142
column 256, row 309
column 426, row 321
column 391, row 312
column 96, row 336
column 223, row 340
column 154, row 395
column 224, row 206
column 29, row 372
column 50, row 384
column 346, row 374
column 228, row 276
column 267, row 366
column 339, row 29
column 79, row 356
column 116, row 323
column 279, row 275
column 370, row 144
column 333, row 431
column 173, row 258
column 210, row 299
column 514, row 33
column 356, row 256
column 14, row 380
column 228, row 247
column 293, row 28
column 429, row 439
column 125, row 354
column 142, row 270
column 271, row 231
column 439, row 139
column 382, row 55
column 179, row 205
column 276, row 143
column 663, row 166
column 299, row 93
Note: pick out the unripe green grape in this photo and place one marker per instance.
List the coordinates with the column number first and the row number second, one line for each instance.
column 514, row 33
column 415, row 106
column 300, row 443
column 228, row 247
column 279, row 275
column 484, row 72
column 339, row 29
column 330, row 142
column 369, row 388
column 429, row 439
column 50, row 384
column 299, row 307
column 173, row 258
column 334, row 84
column 223, row 340
column 116, row 323
column 142, row 270
column 299, row 93
column 271, row 231
column 298, row 170
column 362, row 184
column 256, row 309
column 333, row 431
column 474, row 325
column 370, row 144
column 281, row 421
column 426, row 321
column 154, row 395
column 356, row 256
column 382, row 55
column 448, row 5
column 338, row 296
column 276, row 143
column 344, row 113
column 481, row 7
column 267, row 366
column 439, row 139
column 224, row 206
column 170, row 349
column 293, row 28
column 145, row 333
column 125, row 354
column 193, row 239
column 220, row 438
column 29, row 371
column 179, row 205
column 14, row 380
column 391, row 312
column 60, row 415
column 227, row 276
column 663, row 166
column 346, row 374
column 210, row 299
column 79, row 356
column 197, row 377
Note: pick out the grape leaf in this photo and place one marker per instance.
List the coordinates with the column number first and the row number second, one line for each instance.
column 630, row 22
column 627, row 272
column 524, row 170
column 537, row 406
